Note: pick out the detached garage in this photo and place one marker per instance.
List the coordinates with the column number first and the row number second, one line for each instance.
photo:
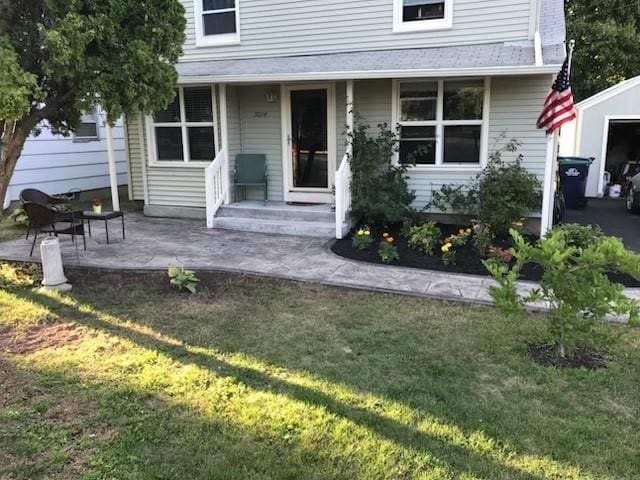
column 607, row 128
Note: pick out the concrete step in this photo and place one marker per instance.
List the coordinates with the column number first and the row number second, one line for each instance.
column 277, row 226
column 277, row 211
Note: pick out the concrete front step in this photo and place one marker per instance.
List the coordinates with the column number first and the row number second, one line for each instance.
column 283, row 227
column 277, row 211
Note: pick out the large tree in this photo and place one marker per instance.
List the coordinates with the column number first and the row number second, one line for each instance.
column 59, row 58
column 607, row 34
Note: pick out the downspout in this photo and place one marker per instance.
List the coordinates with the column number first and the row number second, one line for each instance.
column 537, row 39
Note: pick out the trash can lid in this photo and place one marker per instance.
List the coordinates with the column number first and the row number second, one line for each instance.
column 575, row 161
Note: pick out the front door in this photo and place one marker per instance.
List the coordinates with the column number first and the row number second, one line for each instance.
column 310, row 143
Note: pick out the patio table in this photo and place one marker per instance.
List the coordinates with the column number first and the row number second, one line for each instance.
column 104, row 216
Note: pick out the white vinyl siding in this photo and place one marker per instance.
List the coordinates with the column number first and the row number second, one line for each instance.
column 298, row 27
column 57, row 164
column 515, row 103
column 626, row 103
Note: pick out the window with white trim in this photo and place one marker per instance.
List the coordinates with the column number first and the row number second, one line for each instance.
column 416, row 15
column 442, row 122
column 87, row 128
column 217, row 22
column 185, row 130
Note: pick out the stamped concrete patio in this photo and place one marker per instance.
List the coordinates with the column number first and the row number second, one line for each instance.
column 154, row 244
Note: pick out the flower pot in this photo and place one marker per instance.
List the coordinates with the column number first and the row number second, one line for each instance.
column 97, row 209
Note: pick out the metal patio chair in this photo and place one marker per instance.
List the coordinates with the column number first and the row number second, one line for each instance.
column 34, row 195
column 43, row 219
column 250, row 171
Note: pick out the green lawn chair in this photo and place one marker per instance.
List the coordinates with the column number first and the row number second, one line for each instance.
column 250, row 171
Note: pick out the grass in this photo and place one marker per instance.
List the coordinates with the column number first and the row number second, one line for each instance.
column 257, row 379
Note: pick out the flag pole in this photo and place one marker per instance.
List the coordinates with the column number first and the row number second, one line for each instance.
column 551, row 167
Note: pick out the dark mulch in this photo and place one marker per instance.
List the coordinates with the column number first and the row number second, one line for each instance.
column 582, row 358
column 467, row 259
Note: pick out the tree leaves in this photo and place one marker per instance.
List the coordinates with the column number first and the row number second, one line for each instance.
column 607, row 34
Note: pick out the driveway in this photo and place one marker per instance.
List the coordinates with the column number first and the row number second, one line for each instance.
column 612, row 217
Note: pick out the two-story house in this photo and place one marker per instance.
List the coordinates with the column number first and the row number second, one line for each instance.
column 283, row 78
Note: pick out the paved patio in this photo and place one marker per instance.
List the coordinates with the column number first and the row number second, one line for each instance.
column 154, row 244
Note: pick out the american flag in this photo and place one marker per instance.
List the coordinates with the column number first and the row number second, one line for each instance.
column 559, row 107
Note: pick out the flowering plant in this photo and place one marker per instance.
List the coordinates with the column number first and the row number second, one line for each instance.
column 500, row 254
column 362, row 238
column 425, row 237
column 387, row 250
column 451, row 242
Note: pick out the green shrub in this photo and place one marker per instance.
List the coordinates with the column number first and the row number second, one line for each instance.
column 500, row 196
column 183, row 279
column 387, row 251
column 362, row 238
column 482, row 238
column 379, row 191
column 19, row 217
column 425, row 237
column 575, row 261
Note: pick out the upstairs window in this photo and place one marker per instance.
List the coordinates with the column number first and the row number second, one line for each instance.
column 443, row 123
column 87, row 128
column 416, row 15
column 217, row 22
column 185, row 130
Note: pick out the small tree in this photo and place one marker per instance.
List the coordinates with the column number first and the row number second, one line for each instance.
column 575, row 261
column 379, row 190
column 59, row 58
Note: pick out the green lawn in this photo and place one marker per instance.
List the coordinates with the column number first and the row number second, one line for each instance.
column 125, row 378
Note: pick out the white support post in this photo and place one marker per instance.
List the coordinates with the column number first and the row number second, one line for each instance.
column 350, row 103
column 113, row 174
column 224, row 134
column 549, row 187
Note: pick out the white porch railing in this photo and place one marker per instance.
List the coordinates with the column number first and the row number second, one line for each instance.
column 216, row 181
column 343, row 192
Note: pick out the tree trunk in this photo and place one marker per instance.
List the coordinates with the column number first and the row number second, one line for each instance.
column 10, row 149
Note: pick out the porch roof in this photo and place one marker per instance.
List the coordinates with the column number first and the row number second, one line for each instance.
column 486, row 59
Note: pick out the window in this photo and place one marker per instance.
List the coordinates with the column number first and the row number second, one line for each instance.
column 217, row 22
column 87, row 128
column 443, row 122
column 416, row 15
column 185, row 130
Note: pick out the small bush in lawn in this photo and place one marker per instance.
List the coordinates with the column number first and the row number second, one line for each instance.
column 387, row 250
column 362, row 238
column 575, row 261
column 183, row 279
column 501, row 195
column 425, row 237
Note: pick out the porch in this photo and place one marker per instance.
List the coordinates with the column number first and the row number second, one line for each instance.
column 306, row 160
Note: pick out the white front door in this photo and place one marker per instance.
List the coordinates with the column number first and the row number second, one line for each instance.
column 309, row 142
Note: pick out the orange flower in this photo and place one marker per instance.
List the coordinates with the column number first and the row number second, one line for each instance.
column 390, row 239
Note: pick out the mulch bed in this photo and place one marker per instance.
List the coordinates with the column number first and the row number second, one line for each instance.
column 582, row 358
column 467, row 259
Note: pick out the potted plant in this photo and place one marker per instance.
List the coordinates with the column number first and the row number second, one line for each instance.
column 97, row 206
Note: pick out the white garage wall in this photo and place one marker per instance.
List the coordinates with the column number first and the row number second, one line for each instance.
column 57, row 164
column 619, row 103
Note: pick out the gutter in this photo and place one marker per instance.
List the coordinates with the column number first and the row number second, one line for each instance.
column 373, row 74
column 537, row 38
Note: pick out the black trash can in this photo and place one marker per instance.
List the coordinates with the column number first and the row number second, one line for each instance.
column 573, row 180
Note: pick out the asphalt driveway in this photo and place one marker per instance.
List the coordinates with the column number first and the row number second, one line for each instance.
column 612, row 217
